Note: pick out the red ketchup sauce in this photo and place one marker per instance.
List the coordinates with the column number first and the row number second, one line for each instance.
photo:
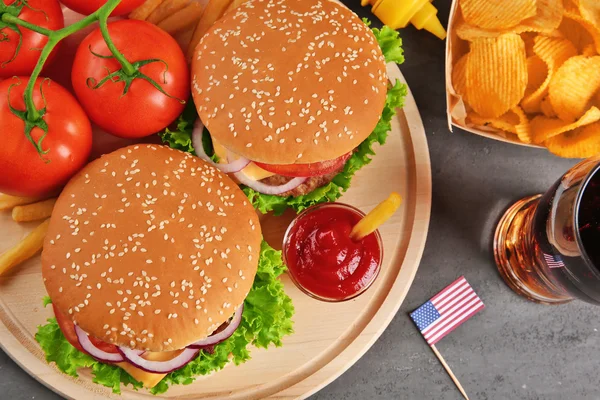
column 324, row 261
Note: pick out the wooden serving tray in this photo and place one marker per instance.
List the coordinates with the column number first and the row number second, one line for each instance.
column 328, row 338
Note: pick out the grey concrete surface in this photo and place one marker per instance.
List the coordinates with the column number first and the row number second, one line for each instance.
column 514, row 349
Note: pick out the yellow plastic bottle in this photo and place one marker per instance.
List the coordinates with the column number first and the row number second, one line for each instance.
column 398, row 13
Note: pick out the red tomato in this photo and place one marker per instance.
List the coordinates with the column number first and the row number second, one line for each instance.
column 304, row 170
column 68, row 329
column 87, row 7
column 144, row 110
column 68, row 142
column 44, row 13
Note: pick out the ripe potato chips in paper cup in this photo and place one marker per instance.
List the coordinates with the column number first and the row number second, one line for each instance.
column 527, row 72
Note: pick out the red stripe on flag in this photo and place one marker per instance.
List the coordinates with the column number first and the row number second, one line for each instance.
column 466, row 317
column 451, row 301
column 464, row 307
column 455, row 310
column 448, row 288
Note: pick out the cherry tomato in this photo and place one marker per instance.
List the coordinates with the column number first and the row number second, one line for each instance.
column 44, row 13
column 143, row 110
column 68, row 142
column 305, row 170
column 68, row 329
column 86, row 7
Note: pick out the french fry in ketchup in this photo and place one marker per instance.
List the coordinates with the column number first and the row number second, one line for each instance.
column 376, row 217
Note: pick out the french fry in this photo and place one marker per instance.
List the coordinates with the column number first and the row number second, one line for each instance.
column 182, row 19
column 25, row 249
column 144, row 11
column 7, row 202
column 213, row 11
column 376, row 217
column 234, row 4
column 166, row 9
column 34, row 212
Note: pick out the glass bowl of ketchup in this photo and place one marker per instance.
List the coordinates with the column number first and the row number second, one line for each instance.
column 321, row 258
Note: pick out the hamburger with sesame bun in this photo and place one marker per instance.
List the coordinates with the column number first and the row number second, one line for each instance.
column 290, row 96
column 150, row 263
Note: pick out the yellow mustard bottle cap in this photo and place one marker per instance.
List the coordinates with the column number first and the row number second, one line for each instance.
column 427, row 19
column 398, row 13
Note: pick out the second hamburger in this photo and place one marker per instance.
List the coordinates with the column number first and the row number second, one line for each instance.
column 291, row 96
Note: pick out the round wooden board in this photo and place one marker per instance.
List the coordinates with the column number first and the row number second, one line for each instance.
column 328, row 338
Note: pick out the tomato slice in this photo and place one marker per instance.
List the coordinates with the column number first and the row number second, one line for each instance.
column 106, row 347
column 68, row 329
column 307, row 170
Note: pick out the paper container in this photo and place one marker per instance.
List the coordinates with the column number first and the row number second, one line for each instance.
column 456, row 108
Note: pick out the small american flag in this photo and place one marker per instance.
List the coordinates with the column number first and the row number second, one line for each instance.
column 447, row 310
column 553, row 261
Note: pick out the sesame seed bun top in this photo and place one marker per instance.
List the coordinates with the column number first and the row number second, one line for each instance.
column 150, row 248
column 289, row 81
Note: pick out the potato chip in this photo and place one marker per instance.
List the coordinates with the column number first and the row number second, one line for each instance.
column 514, row 121
column 589, row 51
column 571, row 6
column 459, row 77
column 593, row 31
column 553, row 52
column 573, row 87
column 494, row 14
column 547, row 109
column 537, row 71
column 522, row 129
column 590, row 10
column 579, row 143
column 547, row 20
column 471, row 32
column 543, row 128
column 575, row 33
column 496, row 74
column 548, row 17
column 506, row 122
column 529, row 39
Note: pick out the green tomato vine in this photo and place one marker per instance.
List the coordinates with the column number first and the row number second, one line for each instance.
column 33, row 117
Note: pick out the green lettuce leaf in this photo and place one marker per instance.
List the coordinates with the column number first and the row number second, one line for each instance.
column 267, row 318
column 180, row 136
column 390, row 43
column 67, row 358
column 391, row 46
column 46, row 300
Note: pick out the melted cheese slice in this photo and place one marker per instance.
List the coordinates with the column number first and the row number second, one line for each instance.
column 147, row 378
column 252, row 171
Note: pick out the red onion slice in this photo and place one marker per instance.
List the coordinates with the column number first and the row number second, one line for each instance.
column 268, row 189
column 95, row 352
column 224, row 334
column 159, row 367
column 233, row 166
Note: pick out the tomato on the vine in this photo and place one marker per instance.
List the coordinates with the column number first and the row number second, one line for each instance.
column 86, row 7
column 15, row 60
column 143, row 108
column 304, row 170
column 68, row 329
column 66, row 146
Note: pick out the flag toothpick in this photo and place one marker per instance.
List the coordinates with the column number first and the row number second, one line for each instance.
column 449, row 371
column 443, row 313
